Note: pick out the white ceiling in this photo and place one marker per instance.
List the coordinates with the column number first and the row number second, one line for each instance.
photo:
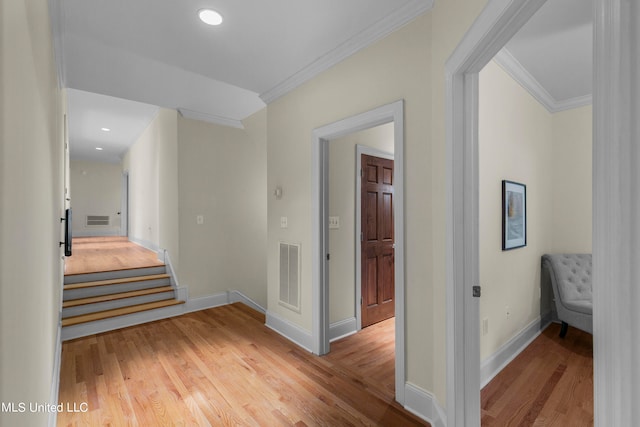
column 88, row 113
column 158, row 53
column 552, row 55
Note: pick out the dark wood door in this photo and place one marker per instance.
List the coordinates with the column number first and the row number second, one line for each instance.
column 378, row 253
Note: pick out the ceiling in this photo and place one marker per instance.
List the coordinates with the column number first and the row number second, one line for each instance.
column 158, row 53
column 552, row 55
column 88, row 113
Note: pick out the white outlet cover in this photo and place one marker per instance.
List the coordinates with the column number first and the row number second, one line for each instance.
column 200, row 219
column 284, row 222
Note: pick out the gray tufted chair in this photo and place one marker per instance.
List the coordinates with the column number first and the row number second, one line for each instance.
column 570, row 276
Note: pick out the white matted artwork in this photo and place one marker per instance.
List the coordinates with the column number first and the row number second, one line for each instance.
column 514, row 215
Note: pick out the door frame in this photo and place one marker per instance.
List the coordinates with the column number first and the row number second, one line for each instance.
column 498, row 22
column 360, row 150
column 393, row 112
column 614, row 137
column 124, row 205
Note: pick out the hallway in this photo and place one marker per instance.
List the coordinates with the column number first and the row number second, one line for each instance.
column 97, row 254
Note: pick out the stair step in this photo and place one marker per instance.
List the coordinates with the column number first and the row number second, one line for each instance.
column 112, row 297
column 114, row 274
column 119, row 312
column 132, row 279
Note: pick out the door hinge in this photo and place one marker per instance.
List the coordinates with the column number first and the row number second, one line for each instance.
column 361, row 172
column 361, row 236
column 477, row 291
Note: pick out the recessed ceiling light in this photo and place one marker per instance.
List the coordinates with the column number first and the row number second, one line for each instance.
column 210, row 17
column 99, row 148
column 106, row 129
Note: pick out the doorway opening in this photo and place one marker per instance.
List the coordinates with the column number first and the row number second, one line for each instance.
column 390, row 113
column 496, row 25
column 376, row 243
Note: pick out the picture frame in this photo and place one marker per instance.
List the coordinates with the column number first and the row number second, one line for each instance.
column 514, row 215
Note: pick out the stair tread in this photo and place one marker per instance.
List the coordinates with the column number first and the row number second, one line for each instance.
column 129, row 279
column 100, row 315
column 115, row 296
column 115, row 270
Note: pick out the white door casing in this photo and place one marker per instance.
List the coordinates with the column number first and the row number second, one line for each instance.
column 393, row 112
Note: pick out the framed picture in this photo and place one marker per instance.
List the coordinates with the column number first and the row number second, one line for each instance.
column 514, row 215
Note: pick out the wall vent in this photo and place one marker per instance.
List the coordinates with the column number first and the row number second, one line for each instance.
column 97, row 220
column 290, row 275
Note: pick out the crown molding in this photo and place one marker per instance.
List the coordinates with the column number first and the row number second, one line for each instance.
column 571, row 103
column 518, row 72
column 211, row 118
column 381, row 29
column 56, row 16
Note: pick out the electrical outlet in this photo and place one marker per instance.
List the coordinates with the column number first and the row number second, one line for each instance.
column 485, row 326
column 284, row 222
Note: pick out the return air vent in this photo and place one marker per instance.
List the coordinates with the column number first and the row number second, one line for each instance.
column 97, row 220
column 290, row 275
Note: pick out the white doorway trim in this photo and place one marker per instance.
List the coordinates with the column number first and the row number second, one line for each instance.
column 493, row 28
column 616, row 194
column 124, row 205
column 360, row 150
column 393, row 112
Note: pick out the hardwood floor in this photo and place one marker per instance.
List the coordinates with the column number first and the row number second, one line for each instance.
column 222, row 367
column 549, row 384
column 94, row 254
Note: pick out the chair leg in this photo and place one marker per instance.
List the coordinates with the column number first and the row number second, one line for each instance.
column 564, row 329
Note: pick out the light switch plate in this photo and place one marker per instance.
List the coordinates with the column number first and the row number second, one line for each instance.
column 284, row 222
column 334, row 222
column 200, row 219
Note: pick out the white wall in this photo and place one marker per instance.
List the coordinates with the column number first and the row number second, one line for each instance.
column 342, row 185
column 516, row 144
column 96, row 190
column 222, row 176
column 152, row 163
column 549, row 153
column 405, row 65
column 31, row 205
column 572, row 178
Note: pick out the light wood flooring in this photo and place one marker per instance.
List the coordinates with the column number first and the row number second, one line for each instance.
column 549, row 384
column 95, row 254
column 222, row 367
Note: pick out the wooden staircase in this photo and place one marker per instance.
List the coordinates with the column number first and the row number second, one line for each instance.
column 101, row 301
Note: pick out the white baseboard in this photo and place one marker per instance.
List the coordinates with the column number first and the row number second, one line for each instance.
column 342, row 329
column 492, row 365
column 424, row 405
column 290, row 331
column 237, row 296
column 547, row 318
column 182, row 293
column 164, row 257
column 55, row 377
column 145, row 244
column 96, row 233
column 210, row 301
